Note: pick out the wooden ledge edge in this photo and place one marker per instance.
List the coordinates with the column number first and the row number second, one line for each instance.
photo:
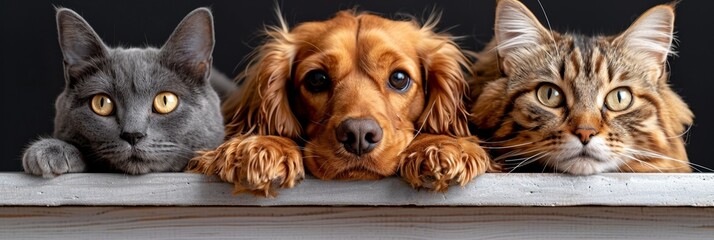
column 494, row 189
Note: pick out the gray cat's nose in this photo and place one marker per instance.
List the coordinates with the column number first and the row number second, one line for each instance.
column 132, row 137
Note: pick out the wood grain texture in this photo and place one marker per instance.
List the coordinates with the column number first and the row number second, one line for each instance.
column 185, row 189
column 355, row 223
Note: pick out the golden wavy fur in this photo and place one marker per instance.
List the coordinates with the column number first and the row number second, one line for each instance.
column 580, row 104
column 357, row 96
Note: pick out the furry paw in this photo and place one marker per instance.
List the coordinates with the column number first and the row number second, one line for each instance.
column 436, row 162
column 254, row 164
column 50, row 157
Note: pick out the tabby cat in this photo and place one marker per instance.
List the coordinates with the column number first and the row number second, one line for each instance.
column 134, row 110
column 580, row 104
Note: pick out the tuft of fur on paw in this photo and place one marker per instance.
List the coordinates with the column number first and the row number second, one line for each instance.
column 50, row 157
column 436, row 162
column 254, row 164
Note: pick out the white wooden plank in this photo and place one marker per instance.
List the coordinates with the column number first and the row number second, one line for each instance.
column 185, row 189
column 355, row 223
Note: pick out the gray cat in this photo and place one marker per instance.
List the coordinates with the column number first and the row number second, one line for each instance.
column 134, row 110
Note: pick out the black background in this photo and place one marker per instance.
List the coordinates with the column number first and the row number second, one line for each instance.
column 32, row 63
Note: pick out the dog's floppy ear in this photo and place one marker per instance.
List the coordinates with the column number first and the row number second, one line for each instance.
column 261, row 106
column 446, row 86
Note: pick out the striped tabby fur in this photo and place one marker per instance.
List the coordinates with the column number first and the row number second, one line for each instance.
column 584, row 121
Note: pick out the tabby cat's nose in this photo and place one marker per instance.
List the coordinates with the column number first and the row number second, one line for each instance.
column 585, row 134
column 132, row 137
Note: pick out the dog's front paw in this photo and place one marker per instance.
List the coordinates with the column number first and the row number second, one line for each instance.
column 437, row 161
column 50, row 157
column 255, row 164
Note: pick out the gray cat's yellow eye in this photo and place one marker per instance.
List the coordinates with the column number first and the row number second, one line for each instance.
column 165, row 102
column 619, row 99
column 549, row 95
column 102, row 105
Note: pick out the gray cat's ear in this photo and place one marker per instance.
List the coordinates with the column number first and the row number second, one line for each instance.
column 651, row 34
column 81, row 46
column 516, row 29
column 190, row 46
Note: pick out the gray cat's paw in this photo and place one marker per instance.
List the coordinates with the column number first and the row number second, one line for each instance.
column 50, row 157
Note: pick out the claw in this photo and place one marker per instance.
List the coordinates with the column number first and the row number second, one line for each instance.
column 255, row 164
column 436, row 162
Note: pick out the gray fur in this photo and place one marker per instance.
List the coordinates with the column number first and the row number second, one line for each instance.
column 84, row 141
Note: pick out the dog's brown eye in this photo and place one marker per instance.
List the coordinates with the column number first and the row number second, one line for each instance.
column 317, row 81
column 399, row 80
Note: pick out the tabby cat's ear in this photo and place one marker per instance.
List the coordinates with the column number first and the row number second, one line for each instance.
column 190, row 46
column 517, row 29
column 651, row 35
column 81, row 46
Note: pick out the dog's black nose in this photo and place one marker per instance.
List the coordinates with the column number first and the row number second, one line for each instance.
column 359, row 136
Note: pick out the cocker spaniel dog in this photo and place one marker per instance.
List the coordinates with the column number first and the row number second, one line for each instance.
column 357, row 96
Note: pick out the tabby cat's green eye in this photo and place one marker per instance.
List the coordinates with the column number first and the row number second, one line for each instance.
column 549, row 95
column 102, row 105
column 618, row 99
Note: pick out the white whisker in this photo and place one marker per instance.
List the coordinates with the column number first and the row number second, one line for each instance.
column 517, row 153
column 646, row 153
column 529, row 160
column 547, row 21
column 686, row 132
column 505, row 147
column 642, row 162
column 623, row 162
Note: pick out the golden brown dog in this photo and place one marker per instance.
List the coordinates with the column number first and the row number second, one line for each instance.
column 365, row 96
